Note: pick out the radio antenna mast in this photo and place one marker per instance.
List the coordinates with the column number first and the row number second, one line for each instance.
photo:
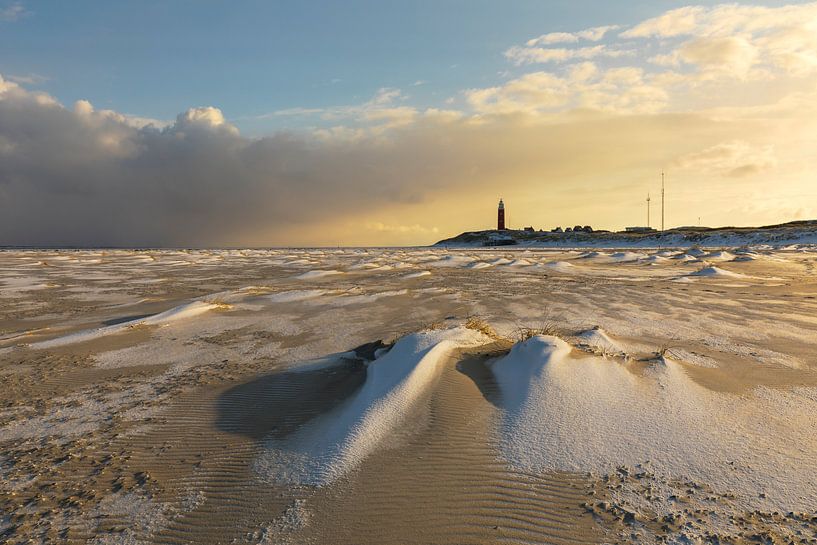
column 662, row 200
column 648, row 209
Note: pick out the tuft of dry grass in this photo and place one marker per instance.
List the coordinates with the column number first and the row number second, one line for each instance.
column 433, row 326
column 478, row 324
column 663, row 350
column 546, row 328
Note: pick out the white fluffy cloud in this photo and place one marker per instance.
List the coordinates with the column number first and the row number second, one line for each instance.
column 205, row 118
column 678, row 22
column 733, row 39
column 700, row 57
column 535, row 92
column 591, row 34
column 533, row 55
column 618, row 90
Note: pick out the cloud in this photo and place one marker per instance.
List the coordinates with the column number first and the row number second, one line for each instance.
column 13, row 12
column 734, row 159
column 296, row 111
column 700, row 57
column 619, row 90
column 677, row 22
column 531, row 55
column 379, row 113
column 724, row 20
column 27, row 79
column 83, row 176
column 732, row 39
column 402, row 229
column 202, row 119
column 534, row 92
column 591, row 34
column 732, row 54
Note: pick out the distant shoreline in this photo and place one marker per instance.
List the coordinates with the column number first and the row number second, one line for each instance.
column 786, row 234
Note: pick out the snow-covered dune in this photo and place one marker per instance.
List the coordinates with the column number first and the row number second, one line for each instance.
column 291, row 296
column 180, row 312
column 590, row 414
column 598, row 339
column 712, row 271
column 316, row 274
column 559, row 266
column 336, row 442
column 418, row 274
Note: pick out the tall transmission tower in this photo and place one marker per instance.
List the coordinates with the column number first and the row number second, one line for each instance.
column 662, row 200
column 648, row 209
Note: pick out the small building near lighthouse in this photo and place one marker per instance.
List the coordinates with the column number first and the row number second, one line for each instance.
column 500, row 216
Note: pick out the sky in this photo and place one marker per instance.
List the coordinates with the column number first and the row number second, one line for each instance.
column 273, row 123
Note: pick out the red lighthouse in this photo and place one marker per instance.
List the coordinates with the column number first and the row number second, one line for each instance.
column 500, row 216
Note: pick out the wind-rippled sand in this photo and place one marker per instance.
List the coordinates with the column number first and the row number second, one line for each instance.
column 351, row 396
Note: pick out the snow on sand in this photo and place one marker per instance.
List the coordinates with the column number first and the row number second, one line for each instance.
column 336, row 442
column 713, row 271
column 181, row 312
column 313, row 275
column 591, row 414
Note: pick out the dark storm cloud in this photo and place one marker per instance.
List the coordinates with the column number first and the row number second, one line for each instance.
column 86, row 177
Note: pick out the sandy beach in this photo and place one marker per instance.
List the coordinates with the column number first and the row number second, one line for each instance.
column 395, row 396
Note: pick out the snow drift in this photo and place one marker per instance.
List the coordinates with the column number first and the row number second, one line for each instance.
column 334, row 443
column 713, row 271
column 181, row 312
column 590, row 414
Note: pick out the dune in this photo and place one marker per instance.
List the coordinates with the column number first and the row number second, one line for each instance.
column 590, row 255
column 655, row 259
column 560, row 266
column 19, row 284
column 718, row 256
column 316, row 274
column 362, row 266
column 419, row 274
column 181, row 312
column 299, row 262
column 330, row 446
column 519, row 263
column 291, row 296
column 588, row 414
column 598, row 339
column 712, row 271
column 684, row 257
column 626, row 257
column 367, row 298
column 451, row 261
column 683, row 280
